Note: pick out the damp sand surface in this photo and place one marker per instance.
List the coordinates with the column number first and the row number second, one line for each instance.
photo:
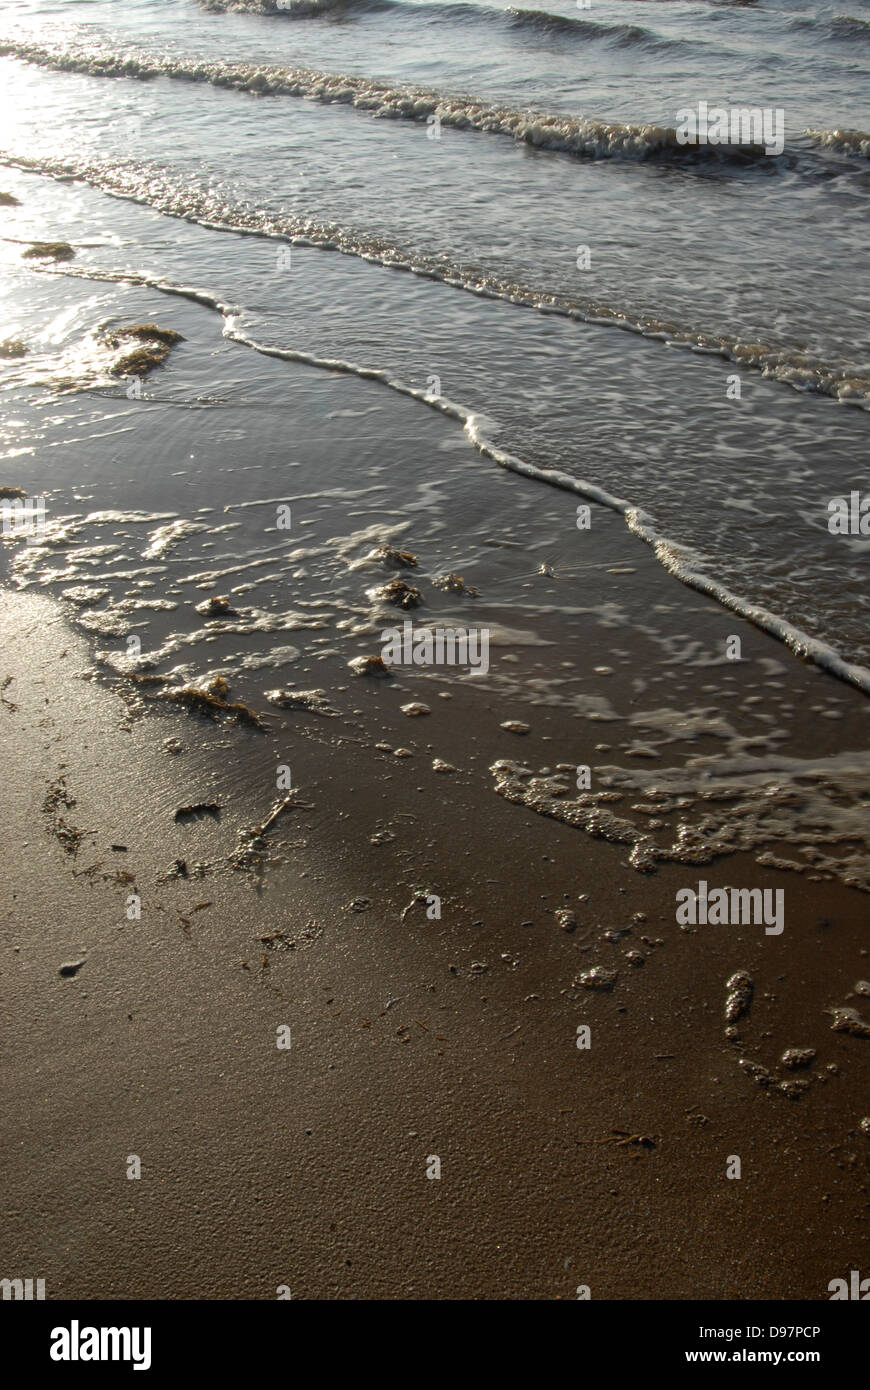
column 410, row 1037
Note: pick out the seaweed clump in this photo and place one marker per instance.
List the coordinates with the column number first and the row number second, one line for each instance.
column 148, row 333
column 156, row 345
column 211, row 700
column 13, row 347
column 395, row 559
column 455, row 584
column 218, row 605
column 8, row 200
column 369, row 666
column 398, row 592
column 58, row 800
column 49, row 251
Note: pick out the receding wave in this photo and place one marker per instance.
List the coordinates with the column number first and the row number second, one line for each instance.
column 672, row 556
column 176, row 198
column 572, row 135
column 851, row 142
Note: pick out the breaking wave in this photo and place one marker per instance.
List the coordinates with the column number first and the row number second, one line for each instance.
column 624, row 35
column 850, row 142
column 296, row 9
column 846, row 26
column 583, row 138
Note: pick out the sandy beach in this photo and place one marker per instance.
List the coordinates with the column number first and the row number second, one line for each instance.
column 307, row 1167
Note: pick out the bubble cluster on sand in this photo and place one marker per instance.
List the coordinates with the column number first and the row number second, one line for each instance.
column 849, row 1021
column 770, row 1081
column 740, row 991
column 597, row 977
column 720, row 806
column 312, row 700
column 798, row 1057
column 165, row 537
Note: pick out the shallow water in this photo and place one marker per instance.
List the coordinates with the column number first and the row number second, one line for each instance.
column 212, row 180
column 757, row 264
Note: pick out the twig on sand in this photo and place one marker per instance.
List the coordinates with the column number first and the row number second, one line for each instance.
column 278, row 808
column 644, row 1141
column 250, row 849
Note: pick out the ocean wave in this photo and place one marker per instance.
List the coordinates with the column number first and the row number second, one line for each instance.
column 673, row 557
column 838, row 26
column 847, row 26
column 578, row 136
column 174, row 198
column 624, row 35
column 296, row 9
column 850, row 142
column 527, row 20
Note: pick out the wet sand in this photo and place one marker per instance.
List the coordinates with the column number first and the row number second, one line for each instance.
column 307, row 1167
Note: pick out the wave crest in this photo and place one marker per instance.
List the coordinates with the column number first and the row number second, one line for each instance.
column 850, row 142
column 847, row 26
column 578, row 136
column 535, row 21
column 624, row 35
column 295, row 9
